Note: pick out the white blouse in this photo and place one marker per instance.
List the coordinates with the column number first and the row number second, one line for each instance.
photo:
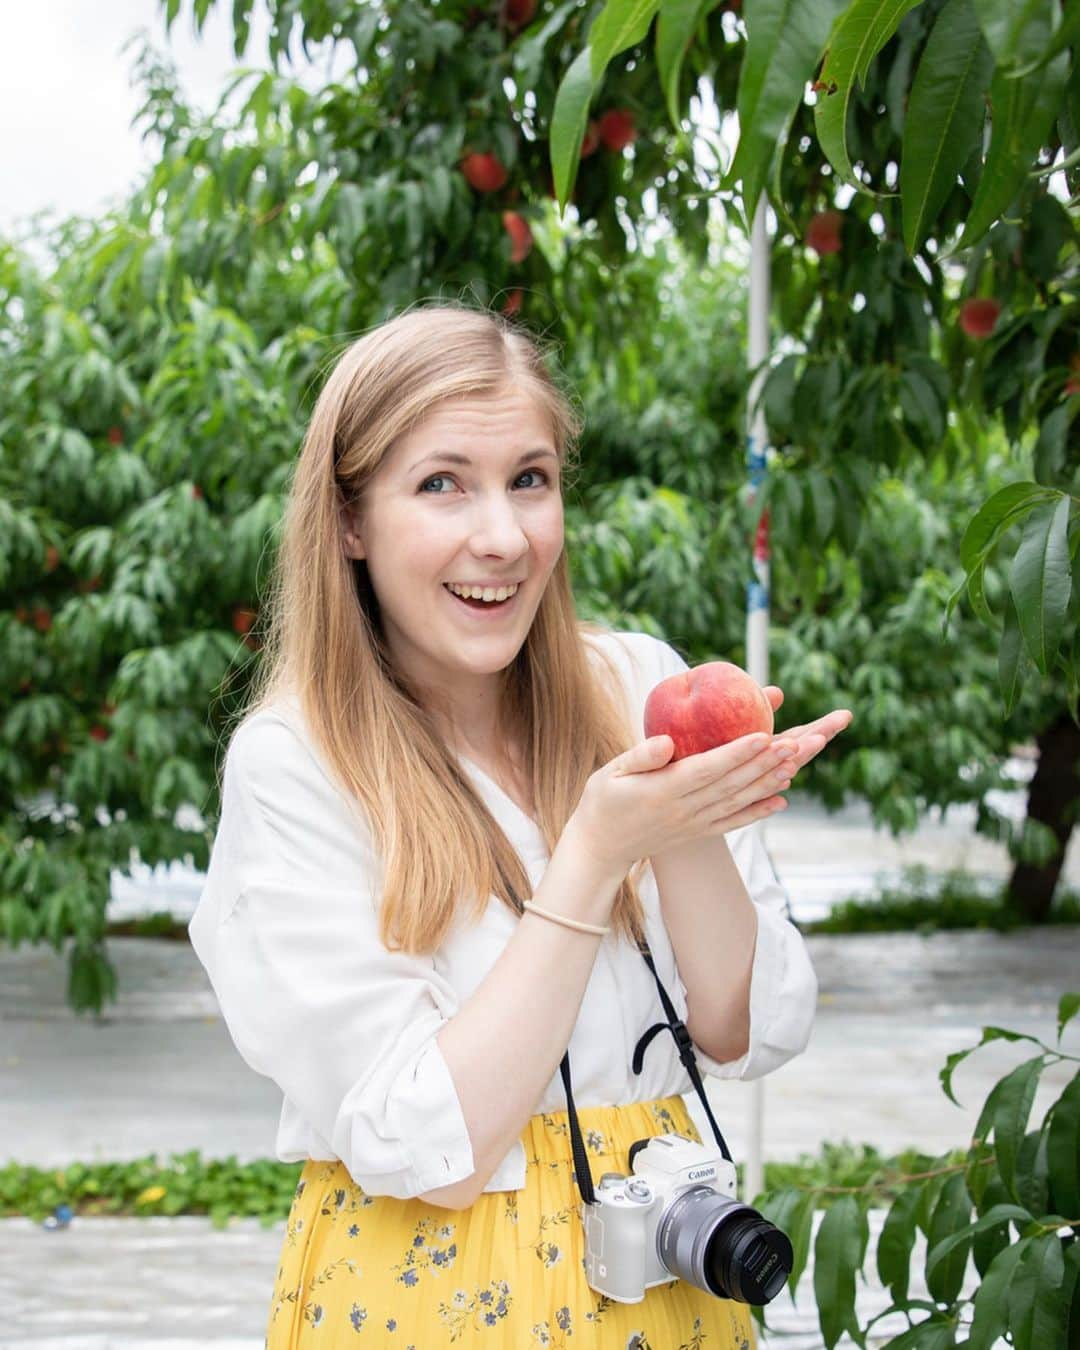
column 287, row 929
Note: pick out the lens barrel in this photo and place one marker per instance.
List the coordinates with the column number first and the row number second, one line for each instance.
column 724, row 1246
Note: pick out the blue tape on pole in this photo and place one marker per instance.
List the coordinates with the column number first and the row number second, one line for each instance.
column 755, row 458
column 757, row 596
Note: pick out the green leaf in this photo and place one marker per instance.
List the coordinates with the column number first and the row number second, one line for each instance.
column 1048, row 457
column 1006, row 1112
column 1013, row 660
column 935, row 1333
column 1018, row 31
column 989, row 1314
column 792, row 1211
column 996, row 514
column 859, row 35
column 1037, row 1310
column 785, row 39
column 1063, row 1150
column 568, row 121
column 620, row 24
column 895, row 1244
column 838, row 1254
column 945, row 1271
column 1068, row 1007
column 1040, row 580
column 675, row 30
column 1022, row 111
column 945, row 115
column 950, row 1241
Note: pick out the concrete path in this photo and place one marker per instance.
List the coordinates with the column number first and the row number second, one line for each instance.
column 158, row 1074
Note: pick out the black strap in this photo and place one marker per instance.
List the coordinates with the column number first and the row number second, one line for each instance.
column 582, row 1172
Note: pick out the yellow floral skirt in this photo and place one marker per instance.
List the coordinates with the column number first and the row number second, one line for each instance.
column 505, row 1274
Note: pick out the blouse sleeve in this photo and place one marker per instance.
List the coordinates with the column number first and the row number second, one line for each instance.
column 783, row 985
column 287, row 929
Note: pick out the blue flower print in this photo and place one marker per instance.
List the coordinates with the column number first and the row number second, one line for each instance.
column 409, row 1277
column 354, row 1229
column 418, row 1240
column 562, row 1318
column 317, row 1315
column 391, row 1325
column 357, row 1316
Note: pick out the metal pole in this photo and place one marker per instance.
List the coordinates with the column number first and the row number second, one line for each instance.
column 757, row 591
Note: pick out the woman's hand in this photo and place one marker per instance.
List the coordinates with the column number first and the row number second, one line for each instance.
column 639, row 803
column 814, row 736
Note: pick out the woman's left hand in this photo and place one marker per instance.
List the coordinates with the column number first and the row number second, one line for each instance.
column 814, row 736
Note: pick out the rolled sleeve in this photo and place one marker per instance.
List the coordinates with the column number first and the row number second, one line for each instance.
column 348, row 1032
column 288, row 934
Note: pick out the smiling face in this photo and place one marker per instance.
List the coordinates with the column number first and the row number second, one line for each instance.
column 428, row 520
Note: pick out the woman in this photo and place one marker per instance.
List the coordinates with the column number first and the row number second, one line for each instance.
column 421, row 765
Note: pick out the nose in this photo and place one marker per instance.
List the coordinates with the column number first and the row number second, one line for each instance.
column 497, row 529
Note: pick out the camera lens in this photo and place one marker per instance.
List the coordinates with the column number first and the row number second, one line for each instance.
column 719, row 1244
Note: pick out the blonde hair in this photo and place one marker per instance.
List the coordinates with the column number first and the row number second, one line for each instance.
column 438, row 842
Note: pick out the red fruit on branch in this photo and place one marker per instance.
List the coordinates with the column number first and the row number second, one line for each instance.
column 42, row 619
column 52, row 558
column 616, row 128
column 485, row 173
column 823, row 232
column 116, row 436
column 1072, row 384
column 513, row 302
column 242, row 620
column 591, row 143
column 978, row 317
column 517, row 13
column 21, row 614
column 93, row 584
column 99, row 733
column 521, row 240
column 197, row 492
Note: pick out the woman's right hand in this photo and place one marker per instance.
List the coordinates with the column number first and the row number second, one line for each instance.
column 639, row 803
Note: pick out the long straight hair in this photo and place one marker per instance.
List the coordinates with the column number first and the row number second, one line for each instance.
column 441, row 850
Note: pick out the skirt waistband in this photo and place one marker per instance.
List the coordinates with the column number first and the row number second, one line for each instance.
column 608, row 1131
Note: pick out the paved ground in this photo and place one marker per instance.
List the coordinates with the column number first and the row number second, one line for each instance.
column 158, row 1074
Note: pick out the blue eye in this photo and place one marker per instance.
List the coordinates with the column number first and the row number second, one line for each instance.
column 439, row 477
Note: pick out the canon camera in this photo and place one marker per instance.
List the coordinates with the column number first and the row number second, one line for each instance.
column 676, row 1218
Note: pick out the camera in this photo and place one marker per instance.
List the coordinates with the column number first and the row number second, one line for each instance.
column 675, row 1217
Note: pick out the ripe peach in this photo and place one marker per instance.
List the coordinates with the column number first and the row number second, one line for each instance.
column 707, row 706
column 823, row 232
column 485, row 173
column 616, row 128
column 518, row 13
column 521, row 239
column 978, row 317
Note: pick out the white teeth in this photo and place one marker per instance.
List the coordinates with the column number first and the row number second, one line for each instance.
column 477, row 593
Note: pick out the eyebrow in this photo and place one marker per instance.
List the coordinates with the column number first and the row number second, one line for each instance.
column 451, row 457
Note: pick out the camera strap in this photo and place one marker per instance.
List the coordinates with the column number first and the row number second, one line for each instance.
column 583, row 1174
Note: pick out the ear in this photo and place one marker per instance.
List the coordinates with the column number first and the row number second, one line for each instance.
column 350, row 536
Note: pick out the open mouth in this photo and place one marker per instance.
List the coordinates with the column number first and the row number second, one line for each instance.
column 482, row 607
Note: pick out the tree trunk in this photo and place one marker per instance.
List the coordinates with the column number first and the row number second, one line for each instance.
column 1054, row 791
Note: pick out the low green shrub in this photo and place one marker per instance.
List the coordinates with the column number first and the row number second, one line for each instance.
column 927, row 902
